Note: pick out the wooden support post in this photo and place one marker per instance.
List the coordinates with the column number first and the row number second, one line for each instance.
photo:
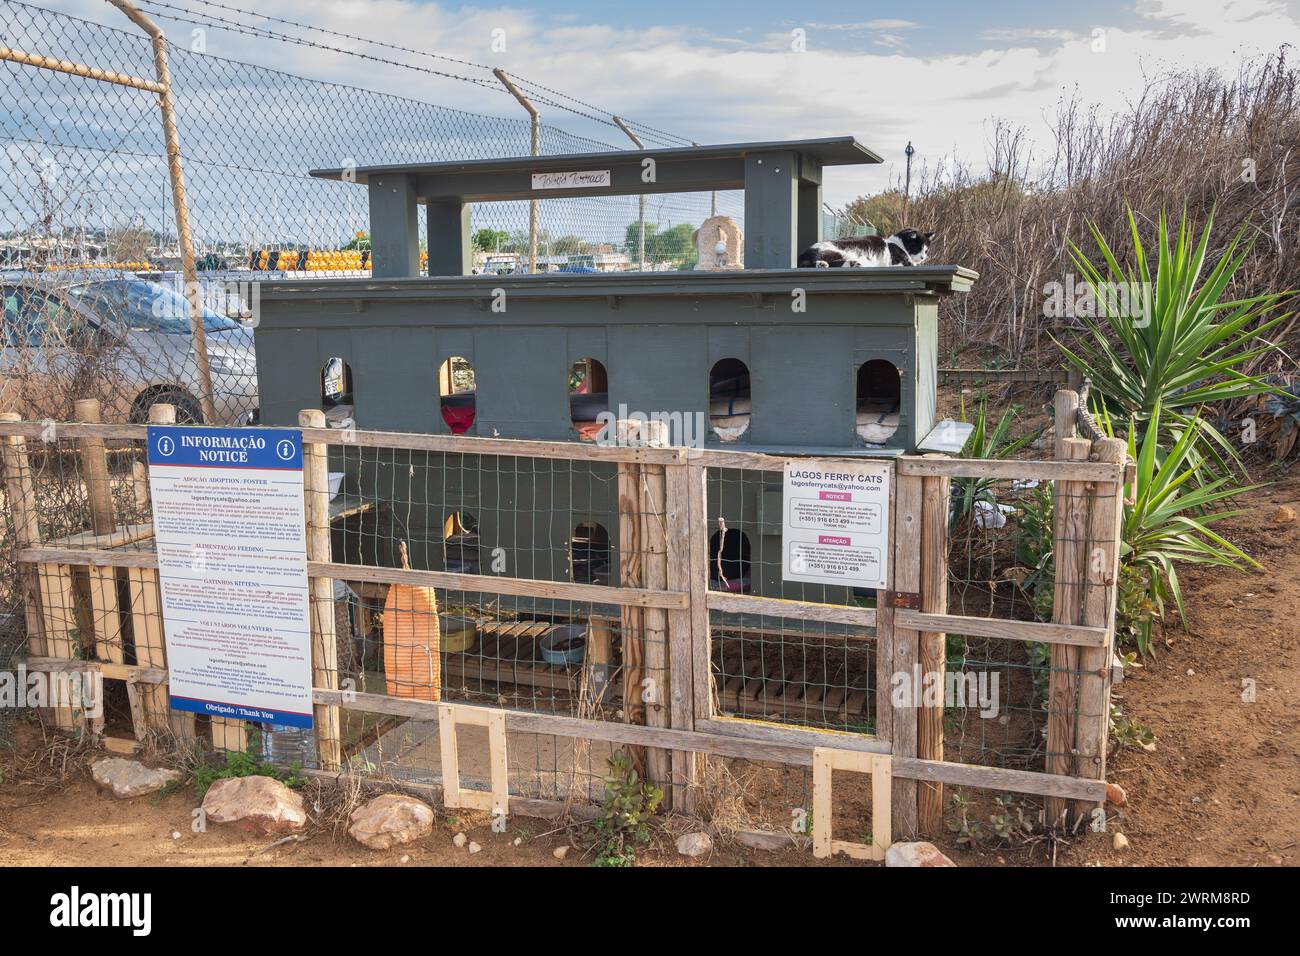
column 94, row 468
column 59, row 626
column 908, row 498
column 702, row 688
column 885, row 631
column 27, row 533
column 1069, row 533
column 681, row 698
column 1105, row 521
column 104, row 612
column 932, row 654
column 654, row 574
column 150, row 649
column 324, row 643
column 149, row 603
column 632, row 624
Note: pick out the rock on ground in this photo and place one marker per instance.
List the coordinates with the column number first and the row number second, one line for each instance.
column 694, row 844
column 390, row 820
column 130, row 778
column 916, row 854
column 255, row 803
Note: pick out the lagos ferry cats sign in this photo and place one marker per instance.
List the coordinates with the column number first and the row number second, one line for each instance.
column 835, row 527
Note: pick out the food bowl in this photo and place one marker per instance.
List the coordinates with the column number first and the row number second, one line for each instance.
column 566, row 644
column 458, row 633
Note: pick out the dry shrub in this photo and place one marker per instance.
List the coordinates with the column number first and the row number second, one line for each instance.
column 1186, row 142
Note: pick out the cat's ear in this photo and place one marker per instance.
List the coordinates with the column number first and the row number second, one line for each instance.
column 929, row 236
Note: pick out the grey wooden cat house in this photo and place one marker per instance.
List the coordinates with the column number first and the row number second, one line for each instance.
column 767, row 358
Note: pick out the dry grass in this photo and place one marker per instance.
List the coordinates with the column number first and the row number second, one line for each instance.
column 1185, row 142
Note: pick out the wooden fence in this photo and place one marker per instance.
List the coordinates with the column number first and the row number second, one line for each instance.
column 667, row 610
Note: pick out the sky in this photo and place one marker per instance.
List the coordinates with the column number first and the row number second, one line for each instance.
column 937, row 74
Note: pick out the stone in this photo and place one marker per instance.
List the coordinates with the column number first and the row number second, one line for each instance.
column 255, row 803
column 764, row 840
column 1116, row 795
column 474, row 847
column 460, row 839
column 130, row 778
column 1284, row 515
column 1120, row 842
column 916, row 854
column 390, row 820
column 719, row 245
column 694, row 844
column 560, row 852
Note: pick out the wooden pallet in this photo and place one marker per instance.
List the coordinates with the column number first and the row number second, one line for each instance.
column 506, row 656
column 769, row 687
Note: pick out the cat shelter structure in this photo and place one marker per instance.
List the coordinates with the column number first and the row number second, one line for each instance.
column 768, row 358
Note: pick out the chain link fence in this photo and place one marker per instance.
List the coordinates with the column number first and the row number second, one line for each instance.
column 90, row 259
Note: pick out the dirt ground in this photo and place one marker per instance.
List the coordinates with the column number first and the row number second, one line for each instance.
column 1221, row 787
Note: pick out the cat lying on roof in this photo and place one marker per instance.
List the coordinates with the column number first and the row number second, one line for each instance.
column 904, row 248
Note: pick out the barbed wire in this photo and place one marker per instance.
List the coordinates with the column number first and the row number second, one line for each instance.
column 540, row 93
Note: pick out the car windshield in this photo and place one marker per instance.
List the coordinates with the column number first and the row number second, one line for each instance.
column 145, row 307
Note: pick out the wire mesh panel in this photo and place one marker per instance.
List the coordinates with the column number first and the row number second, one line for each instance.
column 786, row 669
column 1021, row 550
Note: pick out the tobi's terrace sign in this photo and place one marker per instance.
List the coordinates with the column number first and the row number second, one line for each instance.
column 576, row 180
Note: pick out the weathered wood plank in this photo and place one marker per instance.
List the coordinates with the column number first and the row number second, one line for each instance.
column 1079, row 470
column 1033, row 631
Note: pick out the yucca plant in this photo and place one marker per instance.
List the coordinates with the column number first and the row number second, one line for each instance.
column 990, row 443
column 1168, row 522
column 1184, row 343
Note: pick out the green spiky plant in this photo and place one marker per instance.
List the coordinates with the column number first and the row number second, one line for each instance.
column 1168, row 522
column 1186, row 345
column 989, row 443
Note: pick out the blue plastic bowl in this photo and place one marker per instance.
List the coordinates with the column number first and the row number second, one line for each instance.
column 567, row 644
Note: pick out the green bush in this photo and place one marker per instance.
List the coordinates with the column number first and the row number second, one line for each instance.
column 1185, row 342
column 625, row 812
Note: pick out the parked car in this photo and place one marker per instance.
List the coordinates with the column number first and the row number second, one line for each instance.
column 122, row 339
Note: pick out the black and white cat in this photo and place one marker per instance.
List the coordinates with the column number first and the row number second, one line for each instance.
column 908, row 247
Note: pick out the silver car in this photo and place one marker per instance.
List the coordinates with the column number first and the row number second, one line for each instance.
column 71, row 334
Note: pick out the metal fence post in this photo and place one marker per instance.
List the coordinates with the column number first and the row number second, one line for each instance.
column 640, row 243
column 189, row 271
column 535, row 122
